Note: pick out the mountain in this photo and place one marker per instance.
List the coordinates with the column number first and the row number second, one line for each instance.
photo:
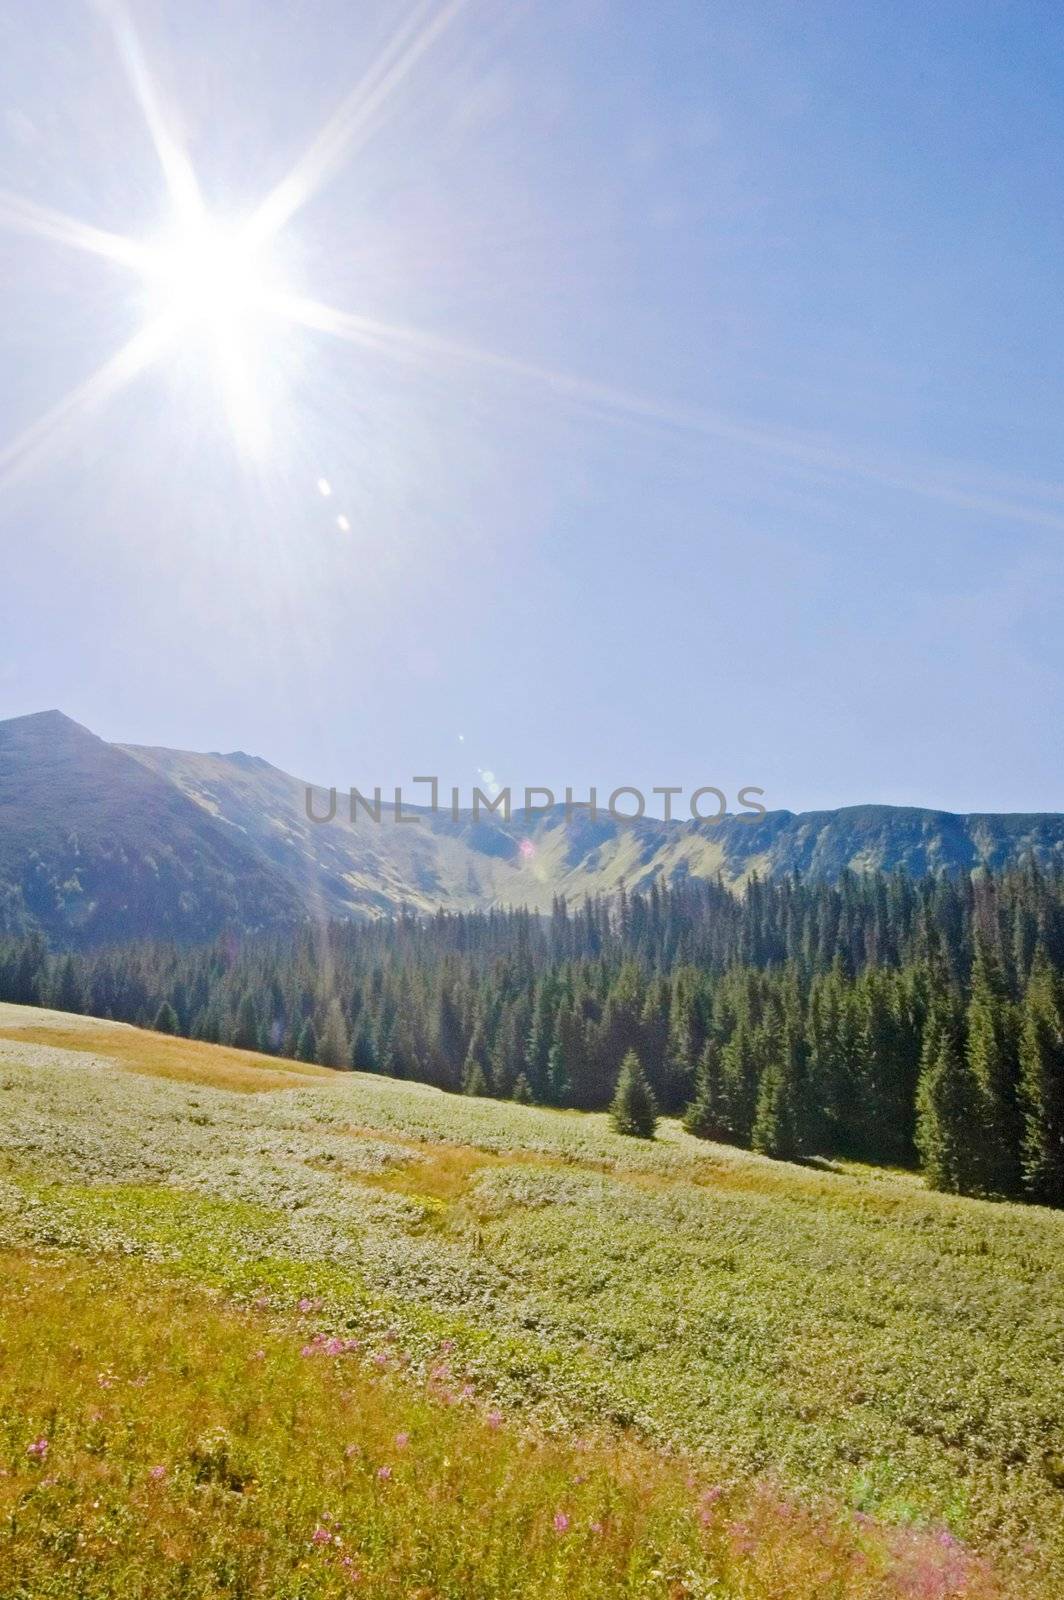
column 96, row 846
column 351, row 869
column 101, row 841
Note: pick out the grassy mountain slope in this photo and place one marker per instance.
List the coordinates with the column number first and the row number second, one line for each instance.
column 103, row 841
column 364, row 867
column 855, row 1380
column 96, row 846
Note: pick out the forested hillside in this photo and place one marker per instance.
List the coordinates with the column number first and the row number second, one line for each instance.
column 884, row 1019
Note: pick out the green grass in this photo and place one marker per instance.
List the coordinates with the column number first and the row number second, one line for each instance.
column 157, row 1442
column 843, row 1335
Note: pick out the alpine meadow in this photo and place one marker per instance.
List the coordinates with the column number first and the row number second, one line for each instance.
column 531, row 825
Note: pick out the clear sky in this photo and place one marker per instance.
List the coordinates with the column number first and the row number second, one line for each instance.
column 697, row 417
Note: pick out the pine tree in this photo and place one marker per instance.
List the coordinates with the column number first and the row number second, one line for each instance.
column 68, row 991
column 450, row 1040
column 165, row 1019
column 740, row 1072
column 778, row 1121
column 334, row 1049
column 633, row 1110
column 474, row 1078
column 364, row 1056
column 1042, row 1084
column 246, row 1032
column 508, row 1053
column 522, row 1093
column 706, row 1117
column 948, row 1102
column 541, row 1040
column 996, row 1132
column 558, row 1089
column 307, row 1048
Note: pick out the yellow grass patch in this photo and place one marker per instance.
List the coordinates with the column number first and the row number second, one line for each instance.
column 161, row 1055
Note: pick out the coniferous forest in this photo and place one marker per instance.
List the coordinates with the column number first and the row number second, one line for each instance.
column 881, row 1018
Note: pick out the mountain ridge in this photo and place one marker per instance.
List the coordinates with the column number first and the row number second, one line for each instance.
column 103, row 841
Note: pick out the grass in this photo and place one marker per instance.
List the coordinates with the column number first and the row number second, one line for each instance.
column 807, row 1337
column 170, row 1445
column 159, row 1055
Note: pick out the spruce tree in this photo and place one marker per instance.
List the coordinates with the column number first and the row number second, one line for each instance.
column 474, row 1078
column 633, row 1110
column 1042, row 1084
column 307, row 1048
column 948, row 1103
column 246, row 1032
column 165, row 1019
column 364, row 1055
column 557, row 1076
column 475, row 1069
column 334, row 1049
column 996, row 1132
column 522, row 1092
column 740, row 1072
column 778, row 1121
column 706, row 1117
column 68, row 990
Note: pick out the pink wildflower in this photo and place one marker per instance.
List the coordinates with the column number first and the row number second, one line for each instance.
column 334, row 1347
column 384, row 1473
column 596, row 1527
column 402, row 1440
column 706, row 1503
column 157, row 1473
column 494, row 1419
column 352, row 1450
column 38, row 1448
column 561, row 1522
column 320, row 1535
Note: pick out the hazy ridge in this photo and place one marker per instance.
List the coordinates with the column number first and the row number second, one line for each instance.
column 100, row 841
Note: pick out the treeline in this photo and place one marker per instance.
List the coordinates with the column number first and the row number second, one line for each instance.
column 881, row 1018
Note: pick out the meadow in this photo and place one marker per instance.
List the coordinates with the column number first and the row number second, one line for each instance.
column 231, row 1286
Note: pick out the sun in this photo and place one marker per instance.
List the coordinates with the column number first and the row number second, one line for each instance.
column 211, row 284
column 207, row 272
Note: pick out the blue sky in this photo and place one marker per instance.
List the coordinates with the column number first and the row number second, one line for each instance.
column 760, row 485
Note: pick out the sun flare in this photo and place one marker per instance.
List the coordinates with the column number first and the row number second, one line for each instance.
column 207, row 272
column 211, row 285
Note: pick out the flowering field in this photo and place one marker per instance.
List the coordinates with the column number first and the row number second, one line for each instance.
column 239, row 1327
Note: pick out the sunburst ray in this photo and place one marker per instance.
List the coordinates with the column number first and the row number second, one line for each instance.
column 26, row 216
column 118, row 370
column 177, row 168
column 803, row 452
column 352, row 122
